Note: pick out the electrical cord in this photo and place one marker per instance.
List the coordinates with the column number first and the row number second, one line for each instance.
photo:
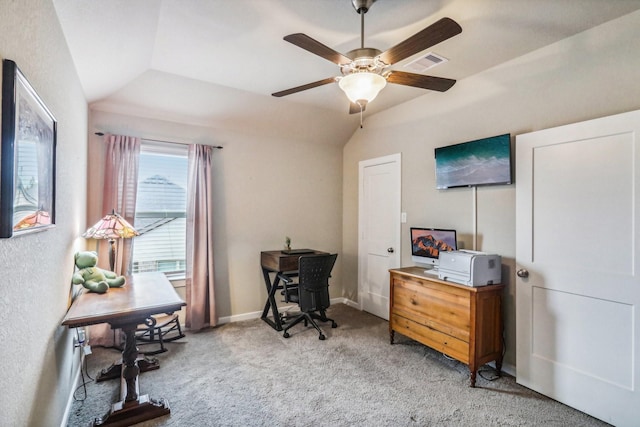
column 493, row 371
column 83, row 385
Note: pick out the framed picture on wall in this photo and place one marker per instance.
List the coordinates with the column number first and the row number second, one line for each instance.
column 28, row 157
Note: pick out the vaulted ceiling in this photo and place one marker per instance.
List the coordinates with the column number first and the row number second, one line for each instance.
column 217, row 62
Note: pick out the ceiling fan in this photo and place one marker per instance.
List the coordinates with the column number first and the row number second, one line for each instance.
column 365, row 70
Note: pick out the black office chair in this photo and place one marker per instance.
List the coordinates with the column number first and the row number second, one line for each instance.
column 311, row 293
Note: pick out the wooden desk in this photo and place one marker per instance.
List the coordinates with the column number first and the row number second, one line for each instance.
column 460, row 321
column 144, row 295
column 278, row 262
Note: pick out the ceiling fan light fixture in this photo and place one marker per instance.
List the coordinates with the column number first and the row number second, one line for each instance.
column 362, row 86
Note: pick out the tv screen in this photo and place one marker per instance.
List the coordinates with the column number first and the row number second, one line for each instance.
column 481, row 162
column 426, row 244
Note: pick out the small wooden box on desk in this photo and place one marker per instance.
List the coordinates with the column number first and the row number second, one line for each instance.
column 460, row 321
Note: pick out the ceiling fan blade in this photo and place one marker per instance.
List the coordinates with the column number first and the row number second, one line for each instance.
column 304, row 87
column 419, row 80
column 432, row 35
column 354, row 108
column 314, row 46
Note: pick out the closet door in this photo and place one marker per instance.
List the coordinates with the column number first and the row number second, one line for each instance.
column 379, row 231
column 578, row 265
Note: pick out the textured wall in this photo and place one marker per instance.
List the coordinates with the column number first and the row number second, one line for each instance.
column 592, row 74
column 36, row 352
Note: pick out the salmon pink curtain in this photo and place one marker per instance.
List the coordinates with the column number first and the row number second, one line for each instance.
column 201, row 311
column 119, row 194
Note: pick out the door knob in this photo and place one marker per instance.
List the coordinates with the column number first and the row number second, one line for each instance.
column 390, row 250
column 522, row 273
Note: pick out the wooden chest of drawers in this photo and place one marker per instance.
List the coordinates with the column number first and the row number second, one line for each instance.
column 460, row 321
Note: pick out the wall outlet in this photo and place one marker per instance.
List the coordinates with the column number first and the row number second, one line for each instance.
column 80, row 339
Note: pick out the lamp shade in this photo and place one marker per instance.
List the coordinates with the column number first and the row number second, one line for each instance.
column 112, row 226
column 362, row 86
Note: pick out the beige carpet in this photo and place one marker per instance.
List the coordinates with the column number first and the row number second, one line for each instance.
column 247, row 374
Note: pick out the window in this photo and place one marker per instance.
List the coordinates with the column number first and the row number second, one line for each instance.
column 161, row 207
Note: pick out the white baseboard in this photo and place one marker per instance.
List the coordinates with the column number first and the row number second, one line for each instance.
column 67, row 409
column 257, row 314
column 509, row 369
column 348, row 302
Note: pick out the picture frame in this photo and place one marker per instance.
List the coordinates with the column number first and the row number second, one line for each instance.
column 28, row 157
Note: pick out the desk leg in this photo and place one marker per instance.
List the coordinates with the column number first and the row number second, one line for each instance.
column 276, row 323
column 115, row 371
column 130, row 368
column 132, row 408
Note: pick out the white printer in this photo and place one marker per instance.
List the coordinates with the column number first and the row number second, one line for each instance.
column 470, row 268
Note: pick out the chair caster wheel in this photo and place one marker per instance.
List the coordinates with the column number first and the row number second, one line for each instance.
column 286, row 335
column 321, row 337
column 334, row 325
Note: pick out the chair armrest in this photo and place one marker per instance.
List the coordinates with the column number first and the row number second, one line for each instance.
column 286, row 279
column 289, row 286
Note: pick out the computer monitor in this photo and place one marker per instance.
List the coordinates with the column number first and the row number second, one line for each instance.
column 426, row 244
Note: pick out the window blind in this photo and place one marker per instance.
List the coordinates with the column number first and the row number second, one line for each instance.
column 161, row 209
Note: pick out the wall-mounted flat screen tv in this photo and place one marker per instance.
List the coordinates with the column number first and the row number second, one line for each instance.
column 484, row 161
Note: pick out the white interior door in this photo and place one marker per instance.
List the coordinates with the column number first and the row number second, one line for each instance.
column 578, row 235
column 379, row 231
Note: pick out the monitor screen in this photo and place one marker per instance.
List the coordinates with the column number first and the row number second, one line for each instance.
column 481, row 162
column 426, row 244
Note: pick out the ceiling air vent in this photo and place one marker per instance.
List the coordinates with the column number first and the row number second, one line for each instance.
column 422, row 64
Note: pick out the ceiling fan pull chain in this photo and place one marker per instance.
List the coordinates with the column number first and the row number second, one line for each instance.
column 361, row 110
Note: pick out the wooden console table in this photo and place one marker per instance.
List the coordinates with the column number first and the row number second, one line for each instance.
column 144, row 295
column 460, row 321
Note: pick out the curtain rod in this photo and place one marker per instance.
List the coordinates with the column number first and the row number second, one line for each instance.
column 219, row 147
